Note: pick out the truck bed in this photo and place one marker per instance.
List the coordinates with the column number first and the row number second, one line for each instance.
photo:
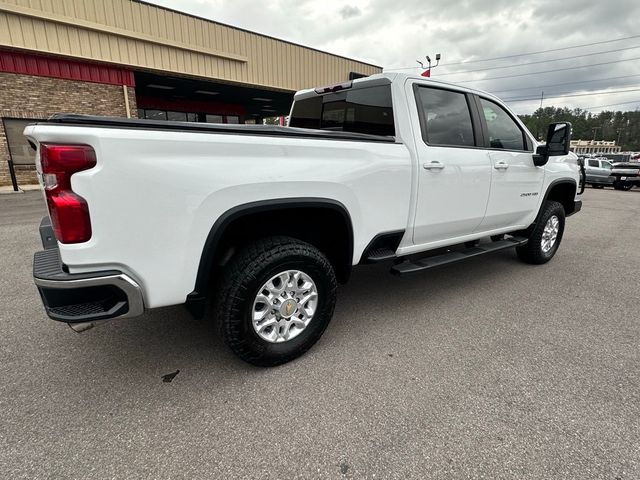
column 219, row 128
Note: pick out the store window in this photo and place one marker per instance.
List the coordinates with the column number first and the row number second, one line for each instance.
column 182, row 117
column 177, row 116
column 19, row 149
column 213, row 118
column 155, row 114
column 173, row 116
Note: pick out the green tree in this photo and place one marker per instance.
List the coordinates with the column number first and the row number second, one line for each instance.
column 623, row 127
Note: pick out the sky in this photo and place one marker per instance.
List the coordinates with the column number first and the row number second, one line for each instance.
column 395, row 33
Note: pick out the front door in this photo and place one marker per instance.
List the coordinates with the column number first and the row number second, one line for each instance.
column 516, row 183
column 454, row 176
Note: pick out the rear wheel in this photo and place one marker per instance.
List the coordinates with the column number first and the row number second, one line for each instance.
column 275, row 300
column 546, row 236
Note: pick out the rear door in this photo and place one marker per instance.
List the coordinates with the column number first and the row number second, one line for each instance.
column 516, row 183
column 454, row 175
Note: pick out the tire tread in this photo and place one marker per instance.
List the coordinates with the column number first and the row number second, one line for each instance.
column 531, row 252
column 232, row 290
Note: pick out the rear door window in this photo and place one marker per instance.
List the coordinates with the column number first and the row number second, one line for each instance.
column 445, row 117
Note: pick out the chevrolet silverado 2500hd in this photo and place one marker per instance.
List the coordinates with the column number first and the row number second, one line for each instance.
column 265, row 221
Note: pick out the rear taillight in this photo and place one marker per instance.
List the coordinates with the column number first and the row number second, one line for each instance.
column 69, row 211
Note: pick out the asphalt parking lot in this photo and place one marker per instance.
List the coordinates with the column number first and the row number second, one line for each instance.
column 487, row 369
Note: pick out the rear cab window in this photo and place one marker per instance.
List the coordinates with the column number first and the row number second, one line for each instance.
column 358, row 110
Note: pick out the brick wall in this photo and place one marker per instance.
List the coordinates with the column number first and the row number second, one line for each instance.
column 26, row 96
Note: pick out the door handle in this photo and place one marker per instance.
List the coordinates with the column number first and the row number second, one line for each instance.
column 435, row 165
column 501, row 165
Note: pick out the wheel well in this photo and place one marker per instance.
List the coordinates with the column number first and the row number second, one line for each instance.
column 324, row 224
column 564, row 193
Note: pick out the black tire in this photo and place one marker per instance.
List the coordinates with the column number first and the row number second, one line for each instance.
column 532, row 251
column 622, row 185
column 246, row 273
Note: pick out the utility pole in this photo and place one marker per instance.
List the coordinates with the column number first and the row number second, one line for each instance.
column 595, row 129
column 541, row 98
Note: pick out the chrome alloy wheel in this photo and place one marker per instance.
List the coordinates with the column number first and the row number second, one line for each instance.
column 550, row 233
column 284, row 306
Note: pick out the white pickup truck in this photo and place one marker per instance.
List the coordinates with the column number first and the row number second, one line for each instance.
column 265, row 221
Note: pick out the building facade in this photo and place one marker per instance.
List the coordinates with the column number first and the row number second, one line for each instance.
column 594, row 146
column 130, row 58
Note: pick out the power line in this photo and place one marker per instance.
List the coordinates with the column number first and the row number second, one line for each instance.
column 574, row 95
column 537, row 62
column 611, row 105
column 548, row 71
column 565, row 83
column 464, row 62
column 608, row 105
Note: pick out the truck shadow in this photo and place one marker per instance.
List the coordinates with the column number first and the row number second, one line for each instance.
column 168, row 339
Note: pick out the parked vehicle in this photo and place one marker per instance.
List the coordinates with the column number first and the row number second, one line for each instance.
column 626, row 175
column 267, row 220
column 598, row 172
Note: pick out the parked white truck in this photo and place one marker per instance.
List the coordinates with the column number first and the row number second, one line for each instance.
column 265, row 221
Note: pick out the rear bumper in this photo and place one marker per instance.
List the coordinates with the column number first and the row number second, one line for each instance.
column 82, row 297
column 627, row 179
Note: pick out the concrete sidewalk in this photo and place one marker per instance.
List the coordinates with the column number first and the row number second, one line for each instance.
column 21, row 189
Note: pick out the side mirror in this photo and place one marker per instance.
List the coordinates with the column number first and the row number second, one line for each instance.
column 558, row 141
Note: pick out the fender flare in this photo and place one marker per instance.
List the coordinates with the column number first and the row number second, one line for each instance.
column 551, row 186
column 196, row 300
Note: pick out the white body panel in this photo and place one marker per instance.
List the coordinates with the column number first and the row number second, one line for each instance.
column 516, row 186
column 454, row 186
column 154, row 195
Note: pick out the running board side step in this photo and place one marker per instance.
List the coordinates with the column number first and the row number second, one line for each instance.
column 420, row 264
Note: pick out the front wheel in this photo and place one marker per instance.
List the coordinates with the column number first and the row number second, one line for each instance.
column 546, row 235
column 622, row 185
column 275, row 299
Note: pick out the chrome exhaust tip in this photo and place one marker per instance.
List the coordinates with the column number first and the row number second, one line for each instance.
column 81, row 327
